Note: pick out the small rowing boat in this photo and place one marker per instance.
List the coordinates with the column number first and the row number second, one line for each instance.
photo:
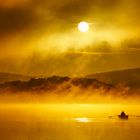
column 123, row 116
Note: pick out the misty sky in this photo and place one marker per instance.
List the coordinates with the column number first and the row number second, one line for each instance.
column 40, row 37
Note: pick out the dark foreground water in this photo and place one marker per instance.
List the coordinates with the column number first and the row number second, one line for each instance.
column 68, row 122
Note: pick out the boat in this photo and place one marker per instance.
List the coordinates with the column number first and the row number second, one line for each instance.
column 123, row 116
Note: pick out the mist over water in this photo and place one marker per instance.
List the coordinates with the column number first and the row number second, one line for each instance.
column 57, row 89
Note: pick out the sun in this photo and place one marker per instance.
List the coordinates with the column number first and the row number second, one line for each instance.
column 83, row 26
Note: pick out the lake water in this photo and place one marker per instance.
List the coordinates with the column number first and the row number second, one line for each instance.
column 68, row 122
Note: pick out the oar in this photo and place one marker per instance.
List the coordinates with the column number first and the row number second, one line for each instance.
column 129, row 115
column 134, row 115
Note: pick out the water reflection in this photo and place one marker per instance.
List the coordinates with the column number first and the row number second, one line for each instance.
column 71, row 122
column 84, row 120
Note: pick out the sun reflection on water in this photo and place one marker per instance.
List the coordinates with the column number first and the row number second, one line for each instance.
column 85, row 120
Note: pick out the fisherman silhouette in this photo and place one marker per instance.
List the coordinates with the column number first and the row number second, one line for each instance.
column 123, row 114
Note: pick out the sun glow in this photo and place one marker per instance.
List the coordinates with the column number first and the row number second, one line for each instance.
column 83, row 26
column 85, row 120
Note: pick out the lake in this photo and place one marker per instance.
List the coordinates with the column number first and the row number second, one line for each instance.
column 68, row 122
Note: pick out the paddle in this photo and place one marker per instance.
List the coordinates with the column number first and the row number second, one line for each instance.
column 129, row 115
column 134, row 115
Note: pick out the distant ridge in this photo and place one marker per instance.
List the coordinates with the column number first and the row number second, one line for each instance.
column 128, row 77
column 7, row 77
column 56, row 84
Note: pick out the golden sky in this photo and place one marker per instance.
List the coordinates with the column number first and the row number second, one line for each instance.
column 39, row 37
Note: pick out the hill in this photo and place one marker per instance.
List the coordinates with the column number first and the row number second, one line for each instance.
column 54, row 83
column 56, row 88
column 4, row 77
column 129, row 77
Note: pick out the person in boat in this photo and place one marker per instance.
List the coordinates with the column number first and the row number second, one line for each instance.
column 123, row 114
